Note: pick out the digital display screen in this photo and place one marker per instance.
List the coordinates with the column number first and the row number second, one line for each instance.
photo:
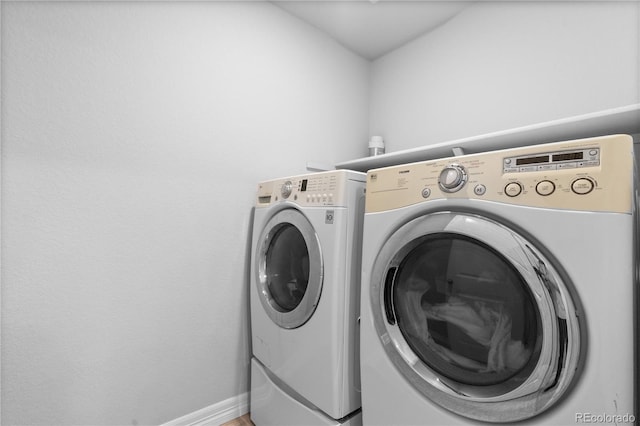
column 568, row 156
column 532, row 160
column 303, row 187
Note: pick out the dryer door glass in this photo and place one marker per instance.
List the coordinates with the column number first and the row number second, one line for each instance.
column 466, row 312
column 287, row 267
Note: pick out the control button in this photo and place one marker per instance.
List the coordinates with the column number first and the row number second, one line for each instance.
column 567, row 166
column 513, row 189
column 426, row 193
column 479, row 189
column 452, row 178
column 593, row 152
column 545, row 187
column 582, row 186
column 286, row 189
column 528, row 169
column 507, row 161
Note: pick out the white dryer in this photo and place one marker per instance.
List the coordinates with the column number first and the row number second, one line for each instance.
column 500, row 287
column 305, row 300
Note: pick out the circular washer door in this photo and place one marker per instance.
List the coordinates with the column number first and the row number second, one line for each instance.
column 289, row 268
column 475, row 317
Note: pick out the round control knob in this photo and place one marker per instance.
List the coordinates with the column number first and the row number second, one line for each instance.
column 452, row 178
column 286, row 189
column 582, row 186
column 545, row 187
column 513, row 189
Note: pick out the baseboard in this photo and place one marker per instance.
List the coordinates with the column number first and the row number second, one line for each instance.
column 216, row 414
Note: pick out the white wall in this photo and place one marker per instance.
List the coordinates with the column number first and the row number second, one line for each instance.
column 134, row 134
column 501, row 65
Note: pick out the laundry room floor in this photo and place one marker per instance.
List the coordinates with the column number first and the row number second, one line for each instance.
column 240, row 421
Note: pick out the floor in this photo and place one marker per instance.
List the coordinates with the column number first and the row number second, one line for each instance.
column 240, row 421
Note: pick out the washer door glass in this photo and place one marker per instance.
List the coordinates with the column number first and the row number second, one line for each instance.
column 466, row 312
column 289, row 268
column 475, row 317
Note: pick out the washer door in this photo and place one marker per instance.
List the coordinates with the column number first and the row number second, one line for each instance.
column 475, row 317
column 289, row 268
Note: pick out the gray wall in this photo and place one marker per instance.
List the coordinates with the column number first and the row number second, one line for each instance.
column 502, row 65
column 134, row 134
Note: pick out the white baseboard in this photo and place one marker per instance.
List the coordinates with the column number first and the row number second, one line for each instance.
column 216, row 414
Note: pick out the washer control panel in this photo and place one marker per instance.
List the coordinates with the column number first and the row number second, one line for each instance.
column 594, row 174
column 314, row 189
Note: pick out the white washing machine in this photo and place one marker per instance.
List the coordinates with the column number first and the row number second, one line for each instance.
column 501, row 287
column 305, row 300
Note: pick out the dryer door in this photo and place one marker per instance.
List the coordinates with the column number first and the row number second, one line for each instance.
column 475, row 317
column 289, row 268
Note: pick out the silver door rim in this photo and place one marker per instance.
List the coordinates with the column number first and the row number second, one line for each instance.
column 553, row 299
column 305, row 309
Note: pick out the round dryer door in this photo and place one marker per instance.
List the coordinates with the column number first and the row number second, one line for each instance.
column 475, row 317
column 289, row 268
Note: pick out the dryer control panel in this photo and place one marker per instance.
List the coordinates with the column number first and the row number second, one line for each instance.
column 594, row 174
column 310, row 190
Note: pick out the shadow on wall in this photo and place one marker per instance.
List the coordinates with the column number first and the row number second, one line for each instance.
column 244, row 381
column 636, row 151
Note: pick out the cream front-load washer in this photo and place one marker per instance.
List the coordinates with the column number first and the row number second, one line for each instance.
column 500, row 287
column 305, row 300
